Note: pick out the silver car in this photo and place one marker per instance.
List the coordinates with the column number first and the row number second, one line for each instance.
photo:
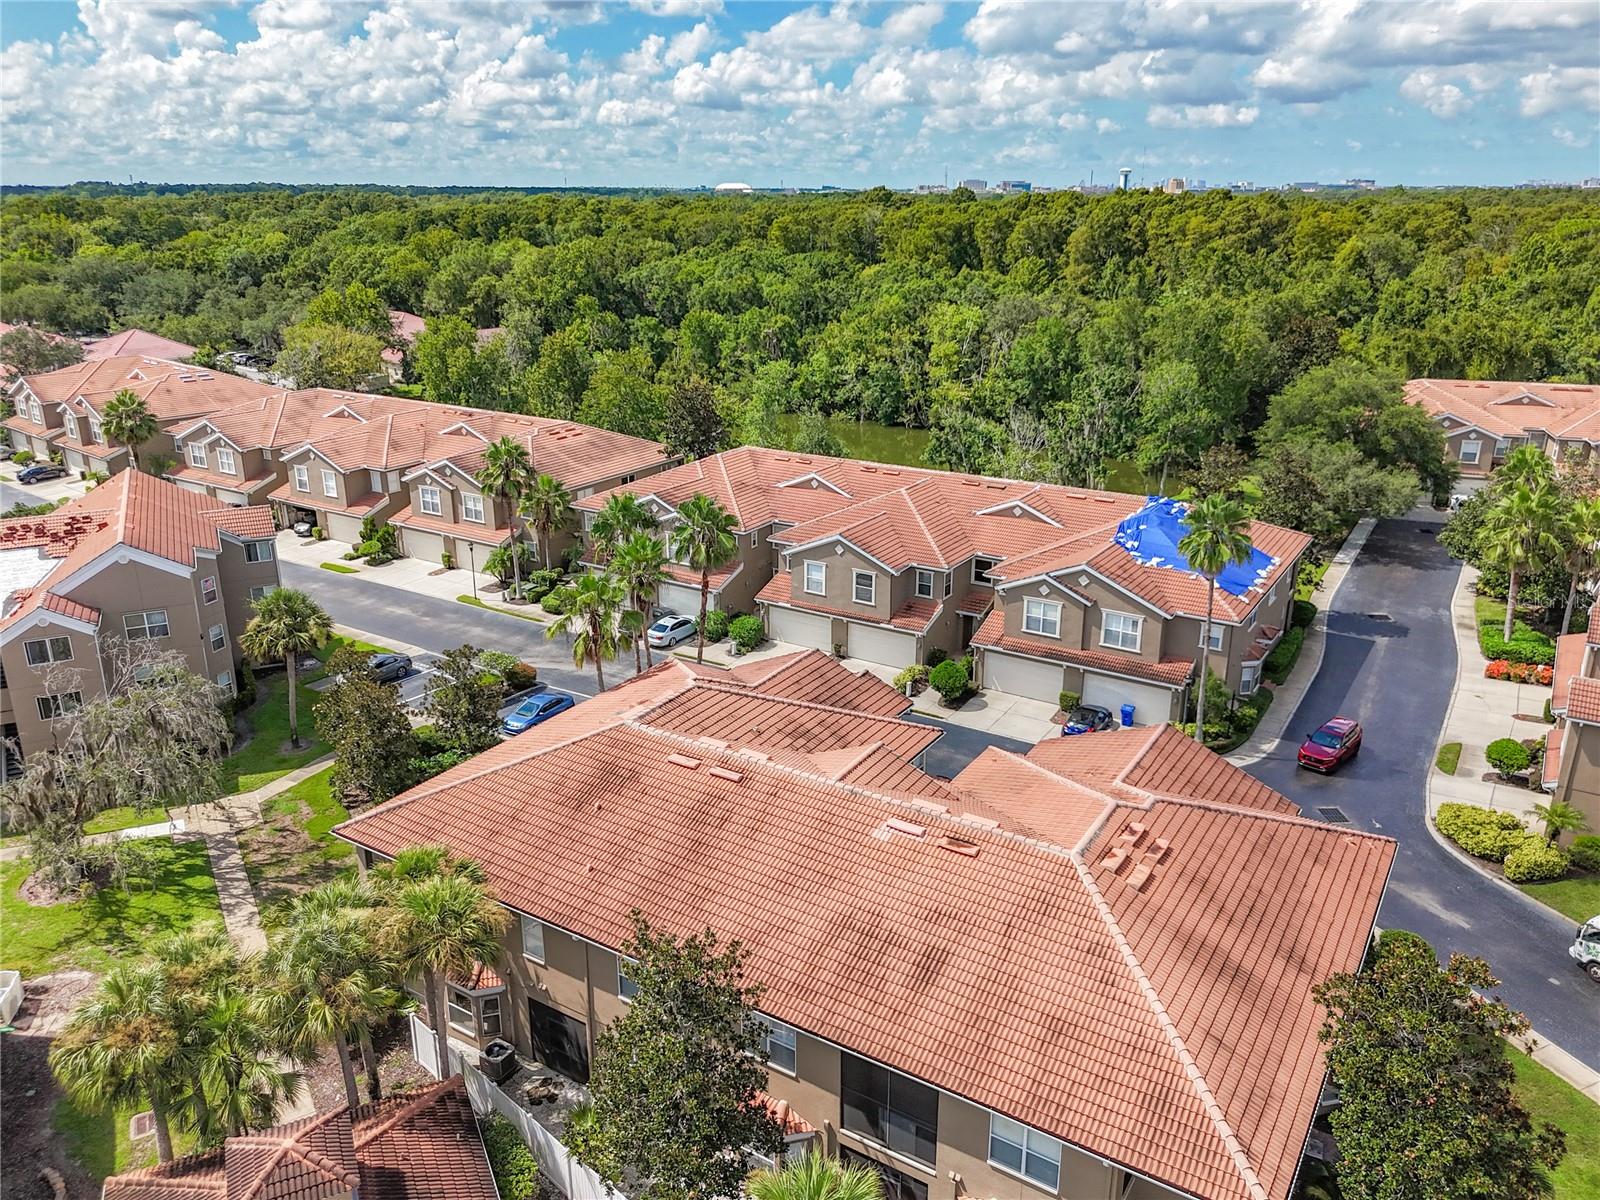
column 669, row 631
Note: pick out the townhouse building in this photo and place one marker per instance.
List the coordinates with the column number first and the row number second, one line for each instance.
column 1484, row 420
column 1053, row 588
column 1571, row 770
column 136, row 559
column 1082, row 972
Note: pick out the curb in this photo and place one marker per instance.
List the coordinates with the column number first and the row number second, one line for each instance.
column 1342, row 559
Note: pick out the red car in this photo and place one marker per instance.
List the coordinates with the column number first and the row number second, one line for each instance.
column 1334, row 744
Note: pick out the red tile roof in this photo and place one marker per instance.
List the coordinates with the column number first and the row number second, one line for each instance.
column 1154, row 1009
column 1583, row 701
column 991, row 635
column 480, row 977
column 745, row 717
column 135, row 341
column 914, row 615
column 1550, row 770
column 817, row 676
column 1510, row 409
column 1572, row 650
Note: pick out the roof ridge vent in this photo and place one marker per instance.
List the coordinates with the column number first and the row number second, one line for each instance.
column 909, row 828
column 959, row 845
column 724, row 773
column 683, row 760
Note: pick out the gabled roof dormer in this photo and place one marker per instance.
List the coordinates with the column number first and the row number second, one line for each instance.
column 345, row 412
column 1019, row 509
column 459, row 428
column 812, row 480
column 1524, row 398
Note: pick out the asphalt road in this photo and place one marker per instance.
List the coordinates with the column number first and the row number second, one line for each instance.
column 1390, row 663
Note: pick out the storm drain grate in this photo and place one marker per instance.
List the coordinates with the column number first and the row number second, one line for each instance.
column 1379, row 617
column 1335, row 815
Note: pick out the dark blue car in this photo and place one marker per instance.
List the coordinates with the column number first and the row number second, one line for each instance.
column 1087, row 718
column 536, row 709
column 39, row 472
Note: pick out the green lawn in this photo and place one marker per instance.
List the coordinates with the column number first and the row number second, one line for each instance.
column 1577, row 896
column 293, row 848
column 1306, row 588
column 124, row 818
column 339, row 568
column 101, row 1142
column 1550, row 1098
column 112, row 923
column 510, row 612
column 1449, row 757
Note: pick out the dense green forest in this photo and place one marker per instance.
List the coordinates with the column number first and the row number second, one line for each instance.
column 1040, row 336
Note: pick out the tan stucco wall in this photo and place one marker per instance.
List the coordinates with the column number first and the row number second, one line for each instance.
column 1579, row 782
column 839, row 581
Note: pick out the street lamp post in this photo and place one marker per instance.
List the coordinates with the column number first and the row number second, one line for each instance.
column 472, row 566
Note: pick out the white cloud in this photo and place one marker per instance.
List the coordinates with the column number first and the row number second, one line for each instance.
column 1106, row 125
column 1557, row 89
column 1433, row 93
column 1569, row 139
column 1202, row 116
column 691, row 44
column 677, row 8
column 910, row 24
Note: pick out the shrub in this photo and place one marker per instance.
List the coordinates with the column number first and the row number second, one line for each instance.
column 1586, row 852
column 1537, row 859
column 318, row 532
column 1481, row 832
column 969, row 665
column 557, row 601
column 1520, row 672
column 1507, row 755
column 539, row 583
column 1069, row 701
column 1527, row 645
column 950, row 680
column 520, row 676
column 914, row 676
column 747, row 632
column 497, row 661
column 366, row 548
column 245, row 694
column 1282, row 659
column 435, row 764
column 447, row 561
column 936, row 656
column 716, row 625
column 1304, row 613
column 516, row 1174
column 22, row 457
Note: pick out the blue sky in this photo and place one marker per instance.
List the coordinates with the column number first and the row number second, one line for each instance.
column 688, row 92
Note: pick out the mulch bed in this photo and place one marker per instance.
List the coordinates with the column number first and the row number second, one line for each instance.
column 397, row 1070
column 28, row 1140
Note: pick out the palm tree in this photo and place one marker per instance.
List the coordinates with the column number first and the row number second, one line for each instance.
column 1219, row 535
column 329, row 983
column 441, row 924
column 287, row 624
column 640, row 565
column 592, row 619
column 506, row 474
column 1582, row 558
column 620, row 517
column 547, row 506
column 1558, row 817
column 1520, row 534
column 240, row 1078
column 127, row 420
column 1527, row 466
column 706, row 537
column 124, row 1046
column 815, row 1176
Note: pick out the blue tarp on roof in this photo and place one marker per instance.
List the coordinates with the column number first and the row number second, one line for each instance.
column 1152, row 535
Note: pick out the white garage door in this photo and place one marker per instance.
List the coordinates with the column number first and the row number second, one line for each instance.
column 1152, row 703
column 428, row 547
column 891, row 647
column 1021, row 676
column 681, row 599
column 800, row 628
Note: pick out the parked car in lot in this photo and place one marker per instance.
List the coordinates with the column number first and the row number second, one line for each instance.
column 390, row 667
column 39, row 472
column 670, row 630
column 536, row 709
column 6, row 451
column 1332, row 745
column 1087, row 718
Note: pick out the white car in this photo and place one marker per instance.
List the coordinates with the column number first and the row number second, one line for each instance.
column 669, row 631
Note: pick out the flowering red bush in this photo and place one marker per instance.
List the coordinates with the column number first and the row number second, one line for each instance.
column 1519, row 672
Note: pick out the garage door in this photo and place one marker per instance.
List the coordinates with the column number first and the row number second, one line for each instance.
column 891, row 647
column 680, row 598
column 800, row 628
column 343, row 528
column 1152, row 703
column 429, row 547
column 1021, row 676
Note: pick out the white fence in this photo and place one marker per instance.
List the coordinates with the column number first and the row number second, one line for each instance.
column 555, row 1163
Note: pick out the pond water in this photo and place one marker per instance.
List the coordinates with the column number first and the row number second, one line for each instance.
column 869, row 440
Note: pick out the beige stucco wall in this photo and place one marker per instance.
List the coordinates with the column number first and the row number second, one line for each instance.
column 1579, row 781
column 839, row 581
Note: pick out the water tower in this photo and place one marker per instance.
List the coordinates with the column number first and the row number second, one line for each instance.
column 1123, row 176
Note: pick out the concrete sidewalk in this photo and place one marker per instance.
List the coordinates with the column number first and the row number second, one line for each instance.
column 1286, row 697
column 1482, row 710
column 403, row 574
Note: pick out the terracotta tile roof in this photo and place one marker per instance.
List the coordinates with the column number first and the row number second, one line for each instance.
column 991, row 635
column 1583, row 701
column 1571, row 651
column 1550, row 771
column 1510, row 409
column 1050, row 985
column 410, row 518
column 976, row 602
column 1593, row 634
column 217, row 479
column 419, row 1146
column 913, row 615
column 788, row 1120
column 135, row 341
column 23, row 425
column 817, row 676
column 358, row 507
column 1031, row 799
column 480, row 977
column 689, row 577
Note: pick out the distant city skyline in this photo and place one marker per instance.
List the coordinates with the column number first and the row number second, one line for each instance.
column 683, row 93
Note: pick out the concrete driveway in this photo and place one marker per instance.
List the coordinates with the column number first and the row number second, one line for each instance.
column 1390, row 663
column 51, row 490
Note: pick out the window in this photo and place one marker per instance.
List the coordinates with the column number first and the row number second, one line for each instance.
column 302, row 478
column 1249, row 678
column 225, row 681
column 816, row 578
column 375, row 481
column 1470, row 452
column 208, row 589
column 559, row 1041
column 428, row 498
column 1041, row 617
column 471, row 507
column 949, row 582
column 459, row 1005
column 533, row 939
column 197, row 455
column 141, row 625
column 1015, row 1147
column 259, row 591
column 981, row 568
column 58, row 704
column 225, row 460
column 48, row 650
column 627, row 989
column 489, row 1016
column 1502, row 447
column 95, row 435
column 38, row 414
column 257, row 552
column 897, row 1184
column 925, row 584
column 781, row 1041
column 891, row 1109
column 1120, row 630
column 219, row 637
column 865, row 587
column 1216, row 637
column 330, row 484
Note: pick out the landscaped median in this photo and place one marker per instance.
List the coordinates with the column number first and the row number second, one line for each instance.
column 1565, row 879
